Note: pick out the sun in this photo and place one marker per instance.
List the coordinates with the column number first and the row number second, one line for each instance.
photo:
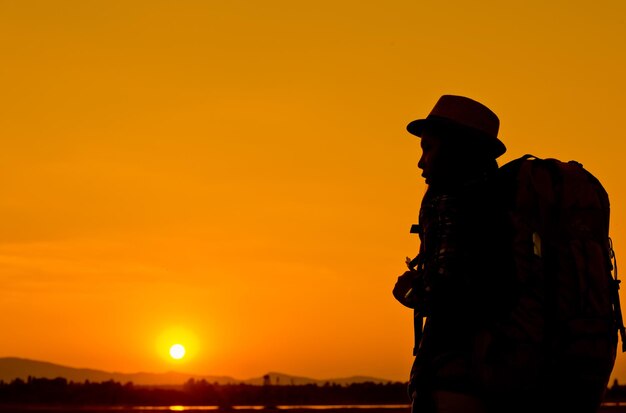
column 176, row 345
column 177, row 351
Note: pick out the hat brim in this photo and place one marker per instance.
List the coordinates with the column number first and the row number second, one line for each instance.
column 493, row 144
column 417, row 127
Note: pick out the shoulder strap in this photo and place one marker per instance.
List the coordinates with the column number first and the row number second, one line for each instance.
column 617, row 309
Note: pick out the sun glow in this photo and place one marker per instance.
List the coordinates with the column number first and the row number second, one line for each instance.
column 177, row 351
column 178, row 345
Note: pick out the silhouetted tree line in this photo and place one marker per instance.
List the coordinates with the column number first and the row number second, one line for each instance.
column 197, row 392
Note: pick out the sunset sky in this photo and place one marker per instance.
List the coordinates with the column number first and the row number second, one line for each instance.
column 235, row 176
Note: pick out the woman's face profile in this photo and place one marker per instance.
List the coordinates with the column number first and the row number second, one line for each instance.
column 431, row 152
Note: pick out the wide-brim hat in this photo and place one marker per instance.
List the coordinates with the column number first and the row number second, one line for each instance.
column 468, row 117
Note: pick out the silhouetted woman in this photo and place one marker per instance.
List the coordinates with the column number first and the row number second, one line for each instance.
column 457, row 288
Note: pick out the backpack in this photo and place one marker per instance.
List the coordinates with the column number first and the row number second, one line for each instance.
column 559, row 340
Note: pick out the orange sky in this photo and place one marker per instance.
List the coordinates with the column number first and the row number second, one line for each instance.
column 236, row 175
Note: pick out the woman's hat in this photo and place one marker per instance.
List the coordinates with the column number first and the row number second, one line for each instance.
column 467, row 116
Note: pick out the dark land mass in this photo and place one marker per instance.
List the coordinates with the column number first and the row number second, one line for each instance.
column 61, row 395
column 59, row 391
column 13, row 368
column 129, row 409
column 65, row 395
column 190, row 409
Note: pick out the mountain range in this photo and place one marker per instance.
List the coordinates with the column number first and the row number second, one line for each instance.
column 12, row 368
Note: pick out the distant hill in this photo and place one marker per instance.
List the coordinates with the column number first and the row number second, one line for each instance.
column 13, row 367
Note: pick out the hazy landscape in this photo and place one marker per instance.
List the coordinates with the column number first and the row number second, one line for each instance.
column 30, row 385
column 13, row 368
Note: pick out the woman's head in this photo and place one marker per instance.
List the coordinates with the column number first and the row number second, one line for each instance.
column 451, row 154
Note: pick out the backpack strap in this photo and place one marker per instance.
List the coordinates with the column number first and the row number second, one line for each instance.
column 417, row 264
column 614, row 281
column 549, row 210
column 617, row 309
